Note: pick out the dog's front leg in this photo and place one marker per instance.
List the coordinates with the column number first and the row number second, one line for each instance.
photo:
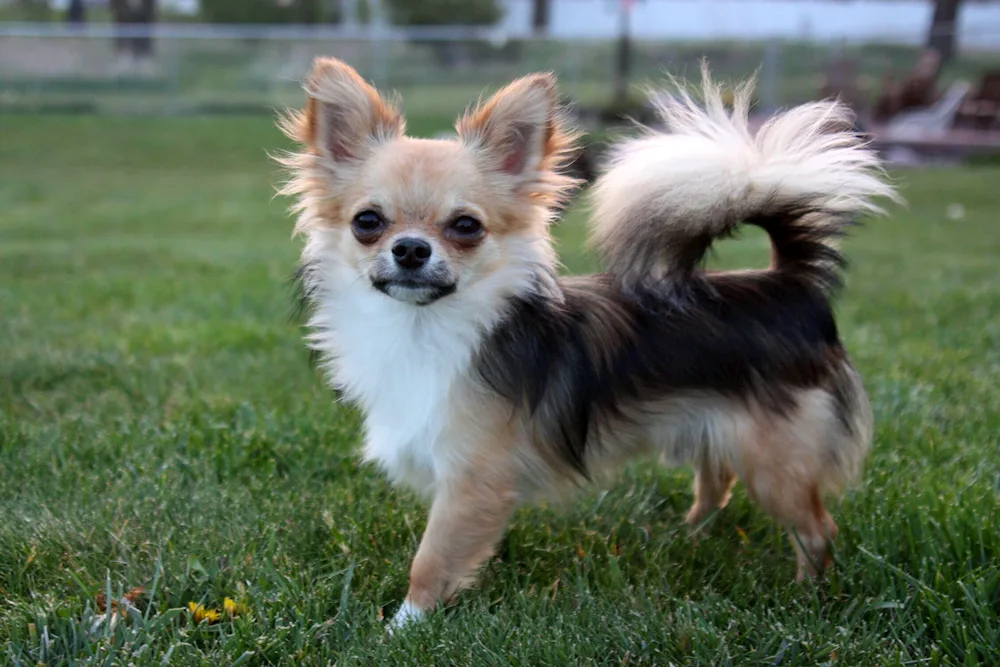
column 467, row 519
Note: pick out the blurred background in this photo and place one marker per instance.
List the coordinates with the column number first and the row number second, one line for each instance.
column 887, row 58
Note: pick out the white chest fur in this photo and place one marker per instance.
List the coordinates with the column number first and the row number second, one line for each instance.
column 400, row 363
column 406, row 365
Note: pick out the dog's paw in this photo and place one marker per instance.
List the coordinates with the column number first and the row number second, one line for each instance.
column 408, row 613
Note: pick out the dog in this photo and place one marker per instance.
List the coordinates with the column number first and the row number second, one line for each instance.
column 487, row 381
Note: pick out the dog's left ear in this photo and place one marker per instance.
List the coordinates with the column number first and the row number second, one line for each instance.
column 519, row 132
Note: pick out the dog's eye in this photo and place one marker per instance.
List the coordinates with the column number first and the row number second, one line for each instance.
column 465, row 227
column 367, row 225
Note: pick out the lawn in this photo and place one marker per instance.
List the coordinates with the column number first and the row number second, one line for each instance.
column 160, row 426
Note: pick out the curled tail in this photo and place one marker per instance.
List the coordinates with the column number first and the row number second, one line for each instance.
column 667, row 195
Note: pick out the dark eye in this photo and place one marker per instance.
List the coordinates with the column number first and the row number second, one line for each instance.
column 367, row 225
column 465, row 227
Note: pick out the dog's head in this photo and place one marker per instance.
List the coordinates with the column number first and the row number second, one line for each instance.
column 419, row 219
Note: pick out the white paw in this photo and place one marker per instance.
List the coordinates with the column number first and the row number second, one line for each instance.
column 408, row 613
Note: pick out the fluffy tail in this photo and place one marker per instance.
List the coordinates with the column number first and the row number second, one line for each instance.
column 667, row 195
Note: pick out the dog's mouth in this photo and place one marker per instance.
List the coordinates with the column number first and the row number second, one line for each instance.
column 417, row 292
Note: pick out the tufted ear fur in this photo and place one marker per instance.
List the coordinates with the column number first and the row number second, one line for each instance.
column 521, row 135
column 345, row 116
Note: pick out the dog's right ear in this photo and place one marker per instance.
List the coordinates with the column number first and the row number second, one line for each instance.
column 345, row 116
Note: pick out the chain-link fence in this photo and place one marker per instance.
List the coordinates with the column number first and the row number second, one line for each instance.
column 229, row 69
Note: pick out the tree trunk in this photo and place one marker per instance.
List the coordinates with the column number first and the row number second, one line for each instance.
column 623, row 61
column 540, row 10
column 76, row 13
column 134, row 13
column 944, row 28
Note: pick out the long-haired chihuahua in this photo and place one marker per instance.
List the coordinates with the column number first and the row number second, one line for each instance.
column 486, row 380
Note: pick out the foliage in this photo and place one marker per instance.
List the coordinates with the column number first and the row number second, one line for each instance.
column 27, row 10
column 269, row 11
column 363, row 11
column 444, row 12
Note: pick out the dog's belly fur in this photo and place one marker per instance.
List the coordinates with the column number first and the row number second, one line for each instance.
column 718, row 431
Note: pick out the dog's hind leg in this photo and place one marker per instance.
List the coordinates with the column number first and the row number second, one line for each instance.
column 799, row 508
column 786, row 470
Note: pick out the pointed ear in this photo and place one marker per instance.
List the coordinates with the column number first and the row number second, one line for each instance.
column 345, row 115
column 519, row 131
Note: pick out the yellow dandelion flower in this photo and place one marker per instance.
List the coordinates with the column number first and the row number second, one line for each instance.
column 201, row 613
column 234, row 608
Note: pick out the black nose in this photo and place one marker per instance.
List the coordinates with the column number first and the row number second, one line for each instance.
column 411, row 253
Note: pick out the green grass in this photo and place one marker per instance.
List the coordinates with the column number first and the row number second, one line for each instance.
column 160, row 427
